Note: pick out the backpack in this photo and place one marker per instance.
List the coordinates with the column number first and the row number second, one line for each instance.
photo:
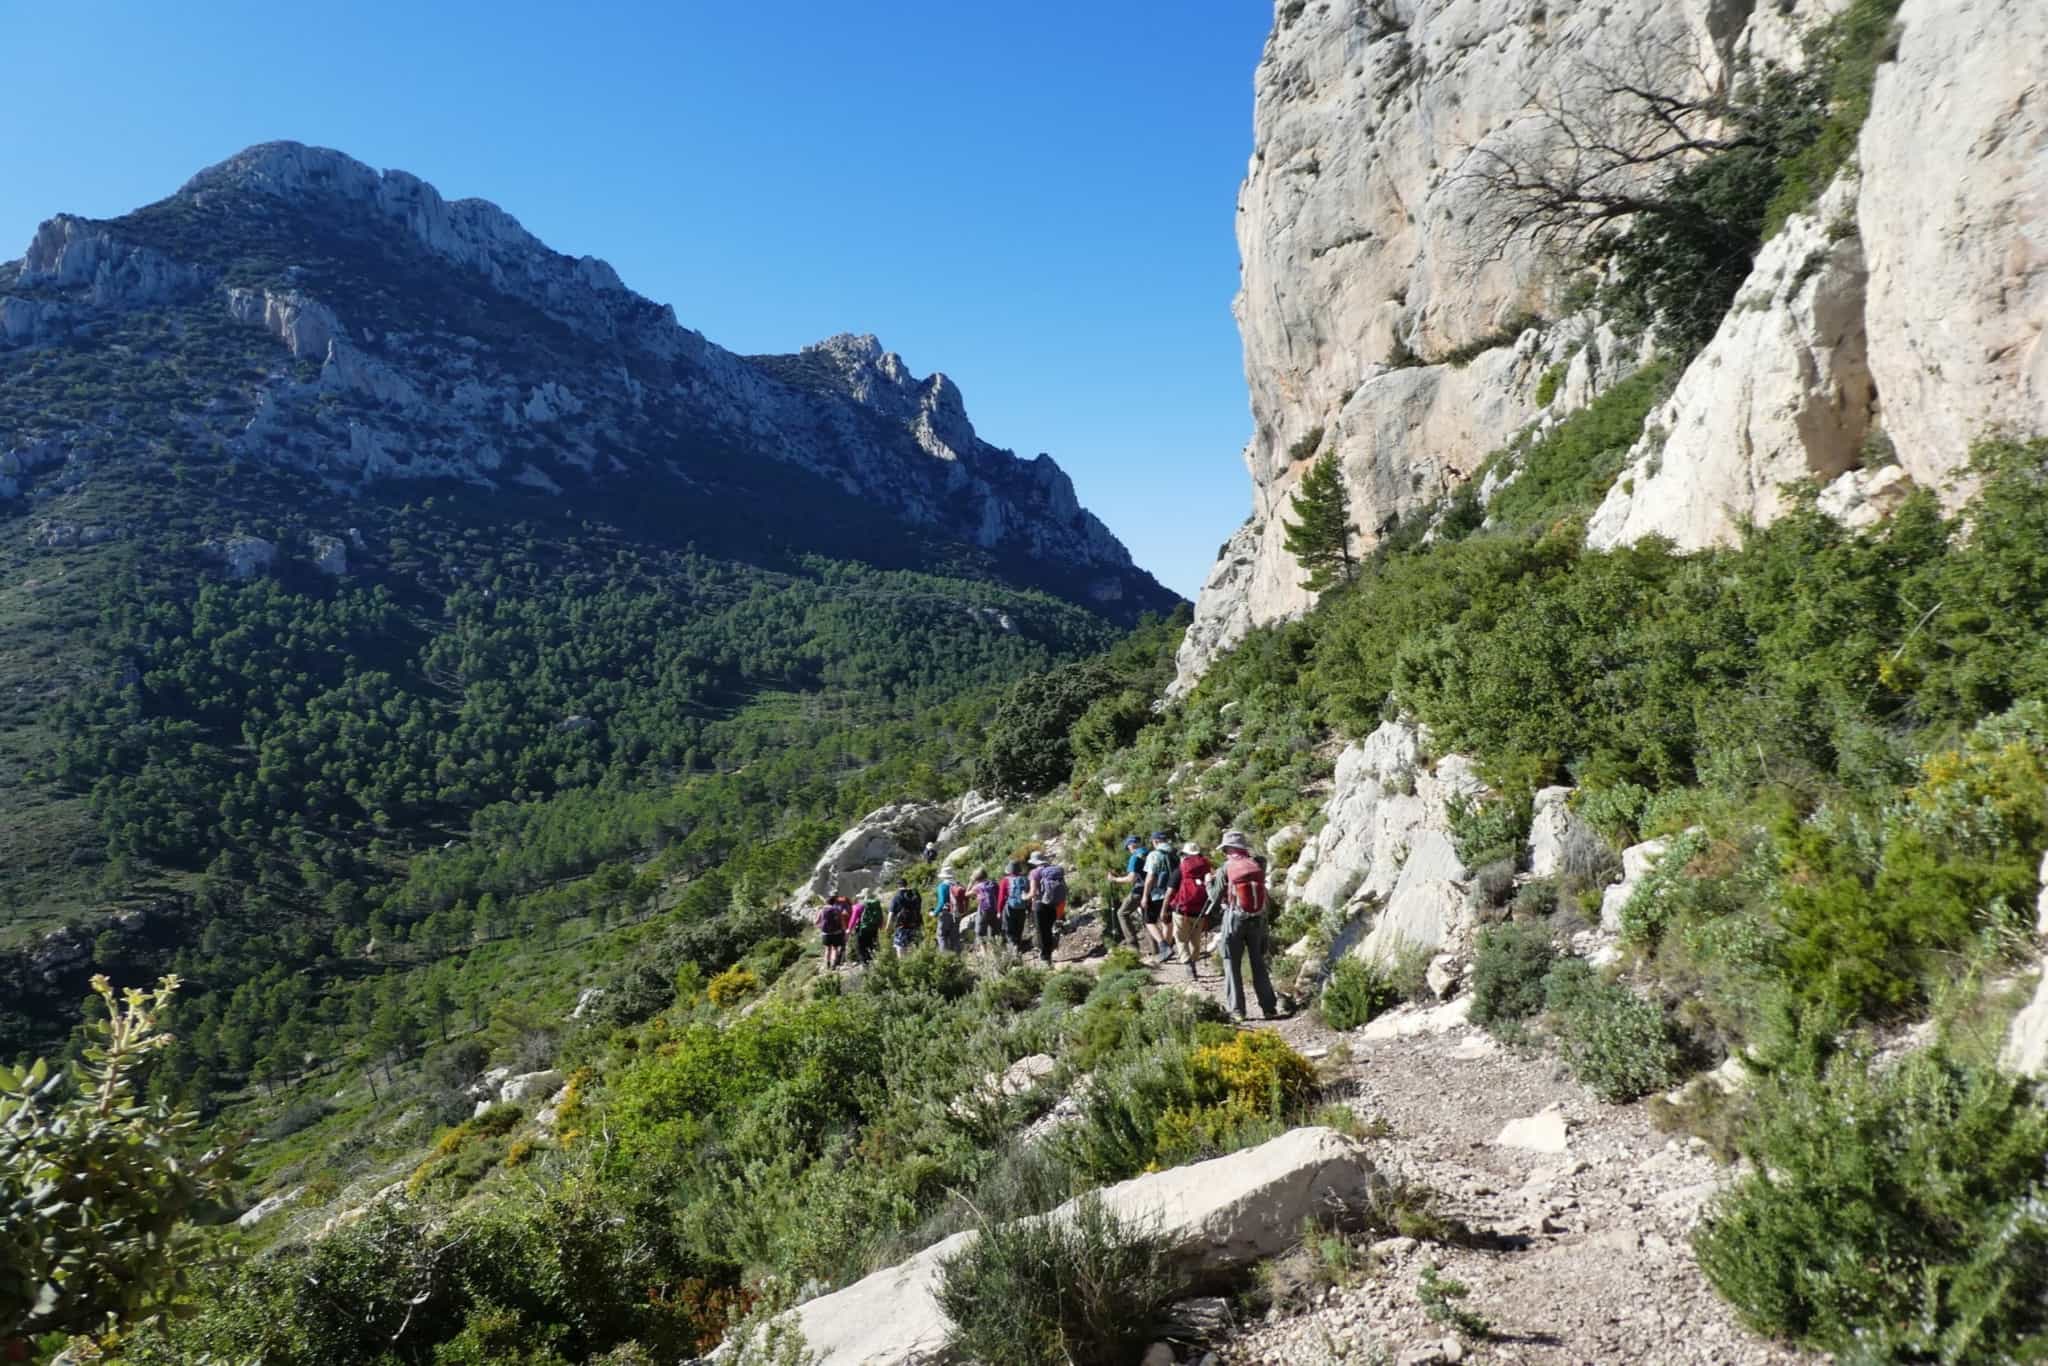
column 831, row 919
column 904, row 911
column 1247, row 886
column 1052, row 884
column 1165, row 878
column 1020, row 891
column 985, row 896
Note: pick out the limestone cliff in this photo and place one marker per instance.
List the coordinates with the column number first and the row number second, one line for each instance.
column 417, row 337
column 1385, row 321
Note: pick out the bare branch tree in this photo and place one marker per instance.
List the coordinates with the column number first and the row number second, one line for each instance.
column 1600, row 145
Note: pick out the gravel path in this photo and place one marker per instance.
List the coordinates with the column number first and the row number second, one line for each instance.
column 1583, row 1254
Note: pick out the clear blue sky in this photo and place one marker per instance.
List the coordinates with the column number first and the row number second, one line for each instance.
column 1036, row 199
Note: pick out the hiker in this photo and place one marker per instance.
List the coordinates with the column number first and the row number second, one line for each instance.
column 988, row 923
column 832, row 929
column 1015, row 901
column 1191, row 904
column 1244, row 928
column 1162, row 871
column 867, row 929
column 1128, row 921
column 943, row 896
column 1048, row 883
column 951, row 901
column 906, row 918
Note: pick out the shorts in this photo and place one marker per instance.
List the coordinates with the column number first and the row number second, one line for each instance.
column 835, row 941
column 1154, row 910
column 904, row 937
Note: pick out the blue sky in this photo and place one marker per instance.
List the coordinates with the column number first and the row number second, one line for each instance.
column 1037, row 199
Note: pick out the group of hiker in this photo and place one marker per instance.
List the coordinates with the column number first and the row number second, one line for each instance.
column 1179, row 904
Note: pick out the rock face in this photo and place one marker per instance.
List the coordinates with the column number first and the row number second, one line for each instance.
column 1782, row 393
column 1953, row 214
column 1217, row 1216
column 1386, row 845
column 1910, row 304
column 482, row 355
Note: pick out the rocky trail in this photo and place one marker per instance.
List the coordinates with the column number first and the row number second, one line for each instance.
column 1580, row 1211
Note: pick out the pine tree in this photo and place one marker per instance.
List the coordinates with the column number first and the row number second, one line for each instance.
column 1321, row 541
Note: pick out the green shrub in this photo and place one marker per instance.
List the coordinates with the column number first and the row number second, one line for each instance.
column 1068, row 987
column 1355, row 992
column 1894, row 1215
column 98, row 1185
column 1508, row 972
column 1489, row 831
column 1568, row 468
column 1549, row 382
column 1616, row 1044
column 1085, row 1290
column 731, row 987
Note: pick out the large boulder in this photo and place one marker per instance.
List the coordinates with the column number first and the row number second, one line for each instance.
column 877, row 846
column 1217, row 1216
column 1559, row 841
column 970, row 812
column 1636, row 862
column 1386, row 842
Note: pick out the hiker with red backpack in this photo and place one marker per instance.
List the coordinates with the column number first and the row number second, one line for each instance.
column 832, row 918
column 1014, row 902
column 1244, row 927
column 1191, row 905
column 1048, row 883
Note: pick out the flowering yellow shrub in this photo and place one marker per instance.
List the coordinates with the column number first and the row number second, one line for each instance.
column 731, row 987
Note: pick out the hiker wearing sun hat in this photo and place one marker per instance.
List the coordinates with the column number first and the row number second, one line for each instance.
column 1244, row 927
column 1190, row 904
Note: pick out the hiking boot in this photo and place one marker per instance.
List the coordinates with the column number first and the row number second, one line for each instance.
column 1192, row 972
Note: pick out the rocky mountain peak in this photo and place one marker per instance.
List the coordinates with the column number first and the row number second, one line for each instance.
column 439, row 339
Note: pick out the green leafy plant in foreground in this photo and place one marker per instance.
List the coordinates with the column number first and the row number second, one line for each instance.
column 1083, row 1288
column 1894, row 1215
column 97, row 1186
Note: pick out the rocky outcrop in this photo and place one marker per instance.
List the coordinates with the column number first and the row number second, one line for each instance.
column 1638, row 861
column 1385, row 848
column 1953, row 214
column 864, row 857
column 1782, row 393
column 2026, row 1041
column 481, row 355
column 243, row 556
column 1559, row 842
column 1216, row 1217
column 1909, row 304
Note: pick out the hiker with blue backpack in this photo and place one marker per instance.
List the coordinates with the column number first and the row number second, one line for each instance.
column 1128, row 920
column 1162, row 877
column 1015, row 899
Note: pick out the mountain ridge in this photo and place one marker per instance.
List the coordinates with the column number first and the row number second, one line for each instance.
column 552, row 373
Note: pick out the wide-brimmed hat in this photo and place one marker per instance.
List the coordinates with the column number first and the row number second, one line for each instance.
column 1036, row 858
column 1235, row 839
column 1191, row 848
